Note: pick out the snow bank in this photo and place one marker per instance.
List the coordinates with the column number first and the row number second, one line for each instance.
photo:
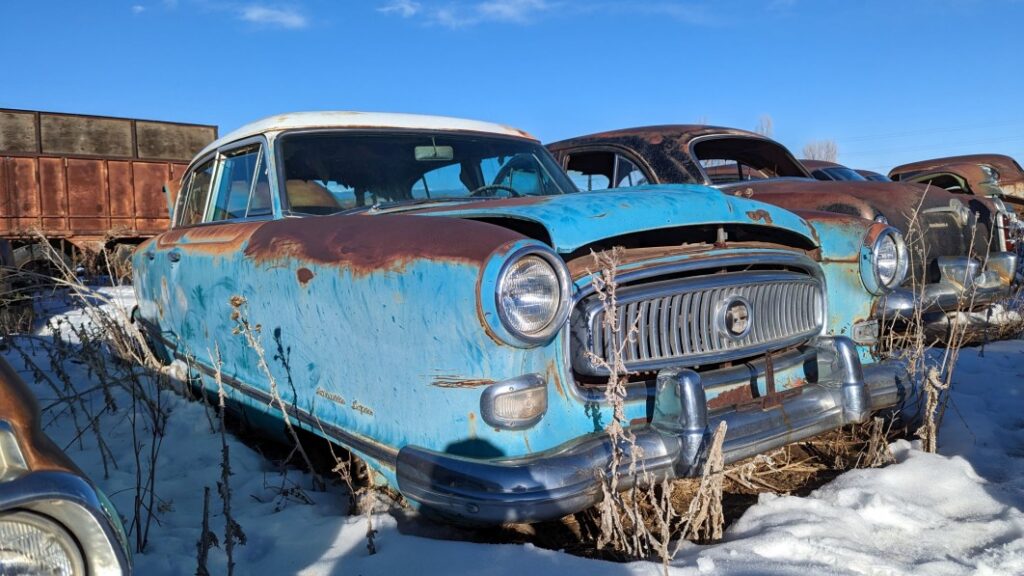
column 957, row 512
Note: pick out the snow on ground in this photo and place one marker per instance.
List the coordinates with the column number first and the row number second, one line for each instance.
column 957, row 512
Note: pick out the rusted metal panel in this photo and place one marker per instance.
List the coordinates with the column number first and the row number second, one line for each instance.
column 5, row 196
column 74, row 135
column 149, row 179
column 79, row 177
column 90, row 227
column 165, row 141
column 18, row 132
column 25, row 189
column 119, row 182
column 52, row 186
column 87, row 187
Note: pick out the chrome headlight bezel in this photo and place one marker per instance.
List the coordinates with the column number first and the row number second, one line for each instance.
column 869, row 264
column 561, row 310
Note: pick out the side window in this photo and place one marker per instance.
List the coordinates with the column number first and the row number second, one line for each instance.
column 627, row 173
column 193, row 201
column 234, row 183
column 260, row 203
column 591, row 170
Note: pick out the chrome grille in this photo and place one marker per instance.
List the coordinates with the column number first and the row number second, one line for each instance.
column 680, row 322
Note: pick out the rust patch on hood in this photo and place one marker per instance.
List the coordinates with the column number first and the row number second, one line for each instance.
column 760, row 215
column 304, row 275
column 367, row 244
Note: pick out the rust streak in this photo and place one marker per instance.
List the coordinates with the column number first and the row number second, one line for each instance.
column 738, row 395
column 760, row 215
column 453, row 382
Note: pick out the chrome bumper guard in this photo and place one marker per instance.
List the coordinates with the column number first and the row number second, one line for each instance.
column 963, row 285
column 567, row 478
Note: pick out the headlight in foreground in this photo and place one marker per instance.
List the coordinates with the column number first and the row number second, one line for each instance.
column 34, row 544
column 885, row 261
column 533, row 294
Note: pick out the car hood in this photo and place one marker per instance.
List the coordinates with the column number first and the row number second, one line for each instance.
column 578, row 219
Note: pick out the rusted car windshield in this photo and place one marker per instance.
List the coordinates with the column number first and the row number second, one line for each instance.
column 735, row 158
column 841, row 173
column 327, row 172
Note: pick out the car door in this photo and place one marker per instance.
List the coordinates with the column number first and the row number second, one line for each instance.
column 227, row 197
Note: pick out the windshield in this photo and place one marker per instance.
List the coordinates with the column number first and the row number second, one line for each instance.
column 332, row 171
column 841, row 173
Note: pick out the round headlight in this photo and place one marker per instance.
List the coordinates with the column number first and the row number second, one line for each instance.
column 532, row 295
column 34, row 544
column 887, row 261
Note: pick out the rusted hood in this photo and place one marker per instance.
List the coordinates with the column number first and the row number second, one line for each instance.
column 894, row 200
column 576, row 220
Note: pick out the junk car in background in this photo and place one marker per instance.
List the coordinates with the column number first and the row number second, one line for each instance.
column 960, row 264
column 993, row 175
column 423, row 289
column 52, row 519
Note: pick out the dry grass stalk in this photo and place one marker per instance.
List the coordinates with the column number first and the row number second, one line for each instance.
column 641, row 521
column 705, row 519
column 233, row 533
column 113, row 352
column 207, row 539
column 251, row 335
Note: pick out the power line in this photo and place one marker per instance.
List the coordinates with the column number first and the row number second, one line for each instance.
column 927, row 131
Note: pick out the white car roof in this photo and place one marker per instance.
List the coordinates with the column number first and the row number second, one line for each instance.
column 348, row 119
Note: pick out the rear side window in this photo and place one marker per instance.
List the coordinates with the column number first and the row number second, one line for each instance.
column 599, row 170
column 193, row 201
column 236, row 174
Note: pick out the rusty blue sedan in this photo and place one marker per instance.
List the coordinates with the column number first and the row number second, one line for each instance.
column 424, row 296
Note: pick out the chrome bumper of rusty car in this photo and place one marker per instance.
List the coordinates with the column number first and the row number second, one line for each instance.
column 72, row 501
column 963, row 286
column 567, row 478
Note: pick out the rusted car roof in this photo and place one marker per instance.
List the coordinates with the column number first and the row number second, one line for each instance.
column 1008, row 167
column 815, row 164
column 351, row 119
column 656, row 134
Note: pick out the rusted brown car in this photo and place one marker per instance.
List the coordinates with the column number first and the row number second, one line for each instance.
column 994, row 175
column 53, row 520
column 962, row 259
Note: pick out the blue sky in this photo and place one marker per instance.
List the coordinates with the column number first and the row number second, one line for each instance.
column 889, row 81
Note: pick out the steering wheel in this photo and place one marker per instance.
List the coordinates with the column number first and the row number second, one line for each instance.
column 482, row 191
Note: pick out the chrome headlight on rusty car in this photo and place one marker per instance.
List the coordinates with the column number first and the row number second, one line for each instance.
column 531, row 295
column 884, row 259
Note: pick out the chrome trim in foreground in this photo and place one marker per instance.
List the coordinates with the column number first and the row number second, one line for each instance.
column 963, row 287
column 566, row 479
column 674, row 323
column 80, row 509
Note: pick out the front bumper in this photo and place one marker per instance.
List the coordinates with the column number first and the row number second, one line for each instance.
column 963, row 287
column 568, row 478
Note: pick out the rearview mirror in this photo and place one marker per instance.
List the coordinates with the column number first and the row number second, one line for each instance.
column 434, row 153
